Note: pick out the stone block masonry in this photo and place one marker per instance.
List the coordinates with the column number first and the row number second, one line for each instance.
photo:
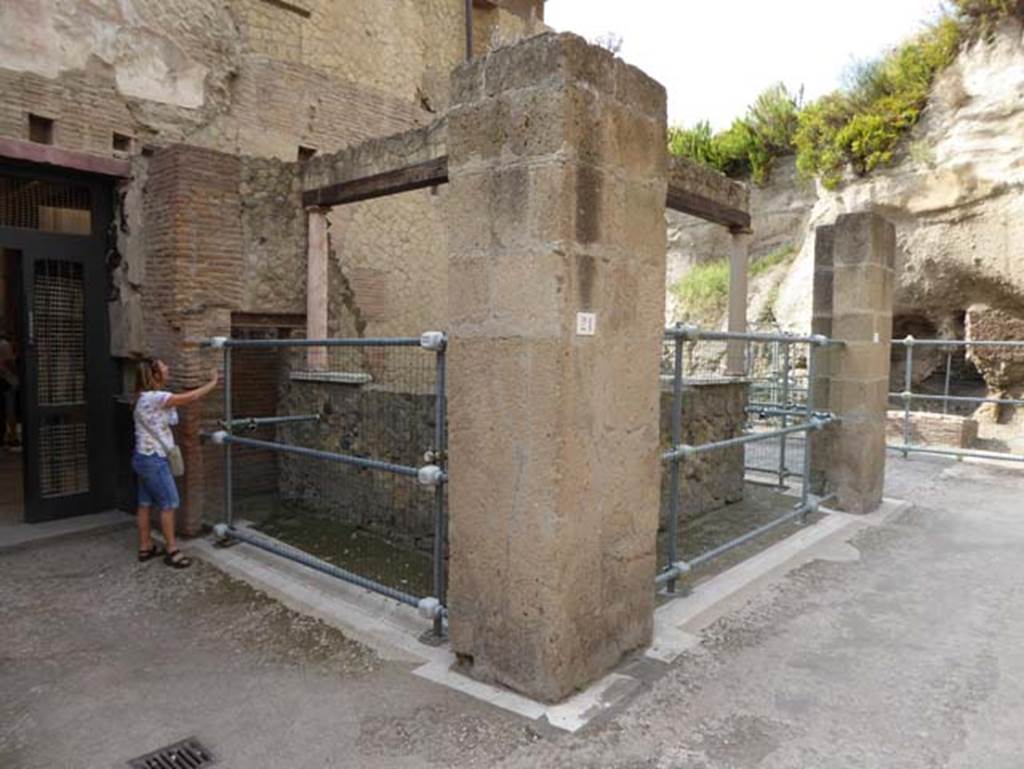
column 712, row 411
column 853, row 301
column 556, row 207
column 373, row 420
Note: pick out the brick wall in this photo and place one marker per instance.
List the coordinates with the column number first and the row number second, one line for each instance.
column 198, row 272
column 255, row 392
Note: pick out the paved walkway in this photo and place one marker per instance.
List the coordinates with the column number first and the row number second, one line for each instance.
column 910, row 656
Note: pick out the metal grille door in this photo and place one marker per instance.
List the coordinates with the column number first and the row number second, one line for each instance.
column 58, row 301
column 58, row 223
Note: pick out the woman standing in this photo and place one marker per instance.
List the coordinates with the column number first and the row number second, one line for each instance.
column 155, row 412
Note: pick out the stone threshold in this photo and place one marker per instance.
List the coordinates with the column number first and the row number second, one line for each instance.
column 18, row 535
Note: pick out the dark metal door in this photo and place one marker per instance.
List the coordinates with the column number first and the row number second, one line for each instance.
column 60, row 229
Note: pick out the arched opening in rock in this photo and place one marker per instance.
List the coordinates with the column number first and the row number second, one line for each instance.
column 930, row 363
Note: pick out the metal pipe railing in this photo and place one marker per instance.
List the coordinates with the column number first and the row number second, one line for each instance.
column 908, row 378
column 229, row 503
column 684, row 450
column 275, row 546
column 440, row 459
column 330, row 456
column 785, row 417
column 766, row 410
column 680, row 568
column 677, row 437
column 693, row 334
column 812, row 371
column 951, row 452
column 251, row 423
column 262, row 344
column 958, row 342
column 429, row 475
column 908, row 396
column 775, row 387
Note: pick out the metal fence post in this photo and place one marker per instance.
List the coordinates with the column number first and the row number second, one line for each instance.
column 229, row 427
column 945, row 390
column 785, row 420
column 907, row 385
column 677, row 438
column 440, row 527
column 805, row 491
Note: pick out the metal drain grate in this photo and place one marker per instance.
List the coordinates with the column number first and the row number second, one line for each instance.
column 187, row 754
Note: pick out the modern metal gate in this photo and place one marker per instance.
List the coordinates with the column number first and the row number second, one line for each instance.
column 332, row 419
column 56, row 225
column 945, row 403
column 779, row 392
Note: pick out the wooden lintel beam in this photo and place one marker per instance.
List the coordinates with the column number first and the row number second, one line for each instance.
column 427, row 174
column 687, row 202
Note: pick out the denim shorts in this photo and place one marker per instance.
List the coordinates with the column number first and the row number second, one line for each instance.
column 156, row 484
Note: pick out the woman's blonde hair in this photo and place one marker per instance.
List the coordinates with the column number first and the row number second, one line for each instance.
column 148, row 375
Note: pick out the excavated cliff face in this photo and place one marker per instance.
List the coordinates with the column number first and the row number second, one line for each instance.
column 956, row 196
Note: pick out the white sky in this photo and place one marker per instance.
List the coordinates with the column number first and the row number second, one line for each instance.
column 715, row 56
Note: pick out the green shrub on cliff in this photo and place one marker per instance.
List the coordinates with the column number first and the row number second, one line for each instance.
column 858, row 127
column 861, row 127
column 748, row 146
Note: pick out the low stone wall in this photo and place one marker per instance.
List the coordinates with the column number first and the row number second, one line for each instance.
column 713, row 410
column 369, row 420
column 927, row 429
column 382, row 422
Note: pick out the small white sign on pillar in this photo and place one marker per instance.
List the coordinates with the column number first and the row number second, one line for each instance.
column 586, row 323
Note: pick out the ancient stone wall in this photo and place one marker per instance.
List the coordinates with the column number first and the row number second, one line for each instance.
column 247, row 76
column 224, row 234
column 712, row 411
column 932, row 429
column 371, row 420
column 391, row 256
column 256, row 78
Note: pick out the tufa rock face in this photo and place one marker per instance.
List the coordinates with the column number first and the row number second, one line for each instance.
column 956, row 197
column 1002, row 367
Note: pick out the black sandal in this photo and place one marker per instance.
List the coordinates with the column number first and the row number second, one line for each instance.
column 146, row 555
column 176, row 560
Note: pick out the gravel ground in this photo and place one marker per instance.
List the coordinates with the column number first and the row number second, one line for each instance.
column 911, row 656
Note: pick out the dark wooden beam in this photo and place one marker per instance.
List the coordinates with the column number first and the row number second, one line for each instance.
column 687, row 202
column 427, row 174
column 47, row 154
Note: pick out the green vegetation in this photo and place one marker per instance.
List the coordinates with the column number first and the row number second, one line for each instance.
column 782, row 255
column 857, row 128
column 861, row 127
column 749, row 145
column 704, row 290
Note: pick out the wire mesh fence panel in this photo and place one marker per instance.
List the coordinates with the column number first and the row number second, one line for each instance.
column 329, row 443
column 734, row 406
column 777, row 372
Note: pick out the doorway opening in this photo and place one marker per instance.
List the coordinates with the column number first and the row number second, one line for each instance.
column 12, row 473
column 57, row 455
